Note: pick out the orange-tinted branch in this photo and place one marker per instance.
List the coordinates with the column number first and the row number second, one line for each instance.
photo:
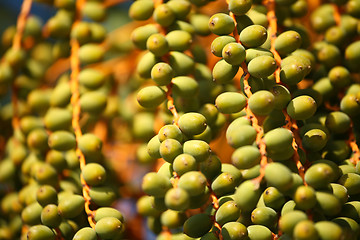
column 354, row 147
column 170, row 104
column 21, row 22
column 270, row 5
column 75, row 102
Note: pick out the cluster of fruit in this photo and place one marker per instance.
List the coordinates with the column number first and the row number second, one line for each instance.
column 287, row 82
column 54, row 183
column 244, row 113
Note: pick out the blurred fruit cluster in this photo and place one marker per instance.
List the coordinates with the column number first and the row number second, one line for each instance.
column 181, row 119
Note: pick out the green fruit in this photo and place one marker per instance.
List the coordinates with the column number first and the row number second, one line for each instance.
column 71, row 206
column 93, row 102
column 192, row 123
column 302, row 107
column 252, row 53
column 155, row 184
column 164, row 15
column 94, row 174
column 329, row 204
column 60, row 96
column 211, row 167
column 146, row 63
column 351, row 181
column 328, row 230
column 57, row 119
column 193, row 182
column 31, row 214
column 141, row 10
column 234, row 231
column 224, row 72
column 259, row 232
column 140, row 35
column 179, row 40
column 91, row 53
column 314, row 140
column 262, row 66
column 185, row 86
column 95, row 11
column 305, row 230
column 50, row 216
column 221, row 24
column 319, row 175
column 184, row 163
column 272, row 173
column 227, row 212
column 273, row 198
column 200, row 23
column 157, row 44
column 108, row 212
column 230, row 102
column 151, row 97
column 262, row 102
column 103, row 196
column 287, row 42
column 85, row 233
column 338, row 122
column 170, row 149
column 264, row 216
column 177, row 199
column 246, row 157
column 40, row 232
column 289, row 220
column 145, row 206
column 62, row 141
column 253, row 36
column 305, row 197
column 247, row 195
column 180, row 8
column 223, row 184
column 234, row 53
column 240, row 7
column 37, row 140
column 109, row 228
column 162, row 73
column 181, row 63
column 197, row 225
column 199, row 149
column 219, row 43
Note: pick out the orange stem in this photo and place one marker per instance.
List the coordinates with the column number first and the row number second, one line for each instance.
column 21, row 22
column 170, row 104
column 270, row 5
column 337, row 14
column 354, row 147
column 75, row 102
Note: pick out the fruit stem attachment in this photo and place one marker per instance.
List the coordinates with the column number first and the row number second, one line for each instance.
column 296, row 144
column 354, row 147
column 75, row 102
column 270, row 5
column 170, row 104
column 16, row 45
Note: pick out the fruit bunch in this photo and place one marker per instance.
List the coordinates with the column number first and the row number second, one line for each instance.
column 242, row 117
column 54, row 180
column 284, row 94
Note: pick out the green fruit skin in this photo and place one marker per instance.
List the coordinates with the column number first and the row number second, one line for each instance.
column 192, row 123
column 221, row 24
column 62, row 140
column 227, row 212
column 151, row 97
column 71, row 206
column 50, row 216
column 262, row 66
column 259, row 232
column 109, row 227
column 234, row 231
column 85, row 233
column 40, row 232
column 287, row 42
column 253, row 36
column 289, row 220
column 328, row 230
column 230, row 102
column 197, row 225
column 94, row 174
column 141, row 10
column 273, row 170
column 155, row 184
